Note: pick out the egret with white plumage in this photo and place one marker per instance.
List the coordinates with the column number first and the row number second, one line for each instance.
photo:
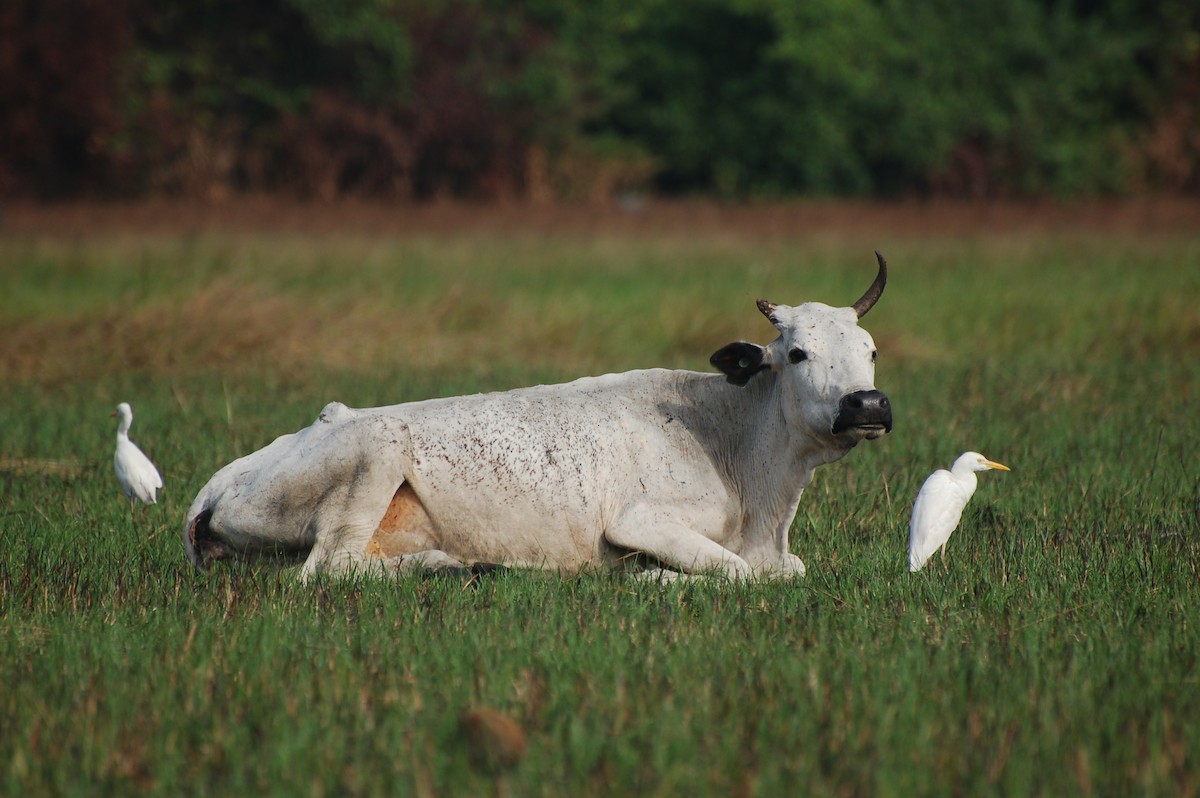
column 138, row 477
column 939, row 506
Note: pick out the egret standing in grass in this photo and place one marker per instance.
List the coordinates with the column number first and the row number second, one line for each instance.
column 939, row 506
column 137, row 475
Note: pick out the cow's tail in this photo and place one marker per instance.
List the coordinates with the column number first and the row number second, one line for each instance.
column 203, row 546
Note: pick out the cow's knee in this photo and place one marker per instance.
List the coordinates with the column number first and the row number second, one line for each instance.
column 340, row 549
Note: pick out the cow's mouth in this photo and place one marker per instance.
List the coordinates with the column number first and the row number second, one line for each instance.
column 872, row 431
column 865, row 431
column 866, row 412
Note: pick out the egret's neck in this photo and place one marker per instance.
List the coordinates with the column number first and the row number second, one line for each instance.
column 965, row 476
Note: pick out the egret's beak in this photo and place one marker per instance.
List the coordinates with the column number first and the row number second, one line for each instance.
column 113, row 414
column 997, row 466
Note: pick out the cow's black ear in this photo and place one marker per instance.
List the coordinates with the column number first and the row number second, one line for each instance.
column 739, row 361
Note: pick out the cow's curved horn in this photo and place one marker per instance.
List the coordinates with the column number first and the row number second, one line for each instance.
column 767, row 309
column 868, row 300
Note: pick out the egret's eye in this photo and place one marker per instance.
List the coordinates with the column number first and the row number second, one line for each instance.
column 874, row 355
column 796, row 355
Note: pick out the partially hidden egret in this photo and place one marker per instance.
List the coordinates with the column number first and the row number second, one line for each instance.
column 137, row 475
column 939, row 506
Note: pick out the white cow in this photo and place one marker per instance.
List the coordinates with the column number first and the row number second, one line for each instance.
column 695, row 472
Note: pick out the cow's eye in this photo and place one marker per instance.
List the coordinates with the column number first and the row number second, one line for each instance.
column 874, row 355
column 796, row 355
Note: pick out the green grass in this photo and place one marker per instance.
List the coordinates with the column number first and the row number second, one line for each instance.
column 1055, row 653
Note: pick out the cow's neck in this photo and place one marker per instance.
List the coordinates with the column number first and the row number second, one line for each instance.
column 780, row 459
column 798, row 452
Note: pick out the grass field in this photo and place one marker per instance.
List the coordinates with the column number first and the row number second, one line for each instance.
column 1054, row 654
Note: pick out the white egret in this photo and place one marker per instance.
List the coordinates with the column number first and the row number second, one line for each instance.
column 939, row 506
column 137, row 475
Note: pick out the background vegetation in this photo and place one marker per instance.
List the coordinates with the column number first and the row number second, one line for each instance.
column 584, row 100
column 1055, row 654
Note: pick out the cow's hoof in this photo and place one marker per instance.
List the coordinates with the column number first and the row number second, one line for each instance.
column 794, row 566
column 662, row 576
column 787, row 567
column 433, row 561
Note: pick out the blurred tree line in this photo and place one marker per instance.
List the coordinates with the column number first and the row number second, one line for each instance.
column 578, row 99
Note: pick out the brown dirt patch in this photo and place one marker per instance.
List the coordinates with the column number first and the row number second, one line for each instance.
column 225, row 322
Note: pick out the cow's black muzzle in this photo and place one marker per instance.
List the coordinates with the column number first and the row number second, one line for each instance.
column 867, row 411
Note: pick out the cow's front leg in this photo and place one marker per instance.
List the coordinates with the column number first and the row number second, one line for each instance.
column 654, row 533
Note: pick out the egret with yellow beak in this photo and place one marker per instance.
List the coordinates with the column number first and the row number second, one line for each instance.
column 939, row 506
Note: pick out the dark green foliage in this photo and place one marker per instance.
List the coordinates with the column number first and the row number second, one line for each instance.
column 476, row 98
column 870, row 98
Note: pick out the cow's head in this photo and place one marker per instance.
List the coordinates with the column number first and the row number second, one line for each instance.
column 826, row 366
